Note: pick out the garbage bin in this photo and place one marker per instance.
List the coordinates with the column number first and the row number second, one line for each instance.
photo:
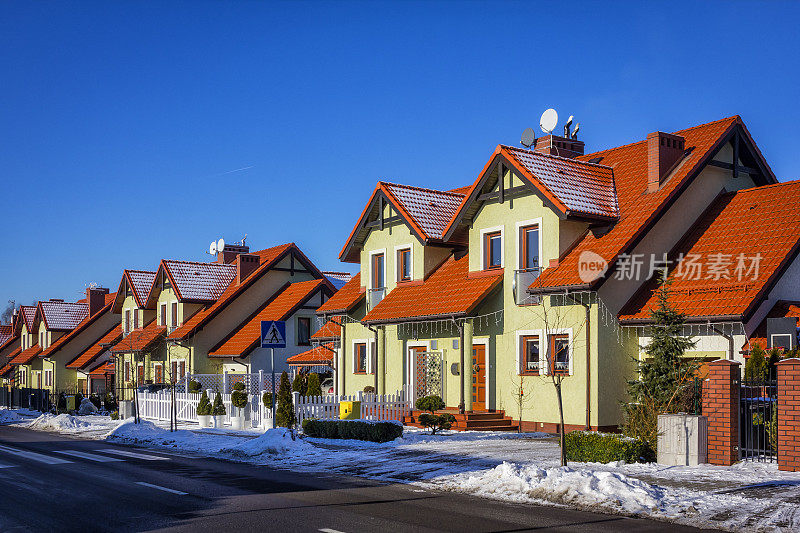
column 350, row 410
column 682, row 440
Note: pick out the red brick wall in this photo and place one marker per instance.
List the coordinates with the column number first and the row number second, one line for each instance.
column 789, row 415
column 721, row 407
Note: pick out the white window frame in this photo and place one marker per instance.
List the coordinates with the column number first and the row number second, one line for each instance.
column 48, row 377
column 369, row 267
column 410, row 248
column 371, row 355
column 570, row 343
column 772, row 339
column 485, row 343
column 493, row 229
column 542, row 355
column 126, row 322
column 521, row 224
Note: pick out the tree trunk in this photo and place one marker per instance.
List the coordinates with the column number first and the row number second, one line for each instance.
column 562, row 439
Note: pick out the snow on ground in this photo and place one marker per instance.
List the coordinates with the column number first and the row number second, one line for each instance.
column 520, row 468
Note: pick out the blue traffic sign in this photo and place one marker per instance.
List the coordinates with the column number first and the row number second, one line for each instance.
column 273, row 334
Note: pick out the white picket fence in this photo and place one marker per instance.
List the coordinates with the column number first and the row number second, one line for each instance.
column 385, row 407
column 158, row 405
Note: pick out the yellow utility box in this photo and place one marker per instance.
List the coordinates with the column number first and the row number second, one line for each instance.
column 71, row 403
column 349, row 410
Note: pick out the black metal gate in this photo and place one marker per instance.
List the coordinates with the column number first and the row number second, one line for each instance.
column 25, row 398
column 758, row 421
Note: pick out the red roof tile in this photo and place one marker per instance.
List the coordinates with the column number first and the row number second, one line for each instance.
column 139, row 340
column 200, row 282
column 95, row 350
column 27, row 312
column 104, row 369
column 763, row 220
column 6, row 332
column 27, row 355
column 140, row 282
column 345, row 298
column 11, row 340
column 269, row 257
column 62, row 316
column 318, row 355
column 14, row 354
column 332, row 329
column 637, row 207
column 5, row 370
column 248, row 335
column 81, row 326
column 449, row 291
column 430, row 209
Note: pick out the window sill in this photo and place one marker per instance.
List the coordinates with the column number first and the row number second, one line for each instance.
column 529, row 373
column 359, row 373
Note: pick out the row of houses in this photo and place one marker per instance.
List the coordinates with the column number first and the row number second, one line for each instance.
column 545, row 265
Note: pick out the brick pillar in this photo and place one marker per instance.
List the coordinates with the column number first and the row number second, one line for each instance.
column 789, row 415
column 721, row 406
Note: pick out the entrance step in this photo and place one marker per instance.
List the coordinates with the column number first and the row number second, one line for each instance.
column 475, row 421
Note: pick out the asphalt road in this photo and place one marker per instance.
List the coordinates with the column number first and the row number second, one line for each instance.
column 53, row 483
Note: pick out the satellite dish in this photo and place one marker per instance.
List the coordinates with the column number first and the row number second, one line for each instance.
column 220, row 244
column 528, row 137
column 549, row 120
column 213, row 248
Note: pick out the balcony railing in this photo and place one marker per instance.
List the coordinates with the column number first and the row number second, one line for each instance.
column 374, row 297
column 522, row 280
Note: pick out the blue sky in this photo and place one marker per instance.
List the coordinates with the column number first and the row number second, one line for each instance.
column 133, row 132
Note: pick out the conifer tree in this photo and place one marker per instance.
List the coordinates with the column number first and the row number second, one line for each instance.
column 756, row 367
column 314, row 387
column 284, row 412
column 219, row 407
column 298, row 385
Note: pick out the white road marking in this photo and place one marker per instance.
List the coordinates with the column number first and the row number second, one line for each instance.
column 126, row 453
column 328, row 530
column 90, row 456
column 158, row 487
column 7, row 466
column 34, row 456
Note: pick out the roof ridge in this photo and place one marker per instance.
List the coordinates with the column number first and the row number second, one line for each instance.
column 570, row 159
column 421, row 188
column 198, row 262
column 142, row 271
column 767, row 186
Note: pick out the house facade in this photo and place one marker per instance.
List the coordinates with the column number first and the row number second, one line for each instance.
column 544, row 270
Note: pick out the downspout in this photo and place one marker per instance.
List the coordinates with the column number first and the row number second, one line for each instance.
column 731, row 344
column 588, row 369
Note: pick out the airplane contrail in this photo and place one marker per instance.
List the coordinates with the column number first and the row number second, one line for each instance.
column 235, row 170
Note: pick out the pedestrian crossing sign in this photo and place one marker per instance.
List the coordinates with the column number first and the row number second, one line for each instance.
column 273, row 334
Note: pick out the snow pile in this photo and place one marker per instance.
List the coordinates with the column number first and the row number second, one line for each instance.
column 62, row 423
column 87, row 407
column 9, row 417
column 146, row 432
column 582, row 488
column 277, row 441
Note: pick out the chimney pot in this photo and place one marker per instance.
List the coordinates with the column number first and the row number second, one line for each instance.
column 664, row 150
column 96, row 298
column 228, row 254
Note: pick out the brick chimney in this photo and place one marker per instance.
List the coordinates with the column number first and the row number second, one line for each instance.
column 246, row 265
column 96, row 298
column 228, row 254
column 664, row 150
column 14, row 319
column 561, row 146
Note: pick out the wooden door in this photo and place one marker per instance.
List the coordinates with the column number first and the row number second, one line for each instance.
column 478, row 377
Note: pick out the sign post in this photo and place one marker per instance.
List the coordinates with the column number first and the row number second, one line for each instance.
column 273, row 335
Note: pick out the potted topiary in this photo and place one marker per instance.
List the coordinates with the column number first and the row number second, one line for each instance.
column 239, row 402
column 218, row 411
column 194, row 386
column 204, row 411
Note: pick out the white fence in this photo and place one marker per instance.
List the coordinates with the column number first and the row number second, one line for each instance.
column 253, row 383
column 376, row 407
column 158, row 406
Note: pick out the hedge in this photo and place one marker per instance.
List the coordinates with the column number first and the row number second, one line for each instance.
column 352, row 429
column 592, row 447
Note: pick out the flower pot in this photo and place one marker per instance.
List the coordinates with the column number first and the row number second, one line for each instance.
column 219, row 421
column 204, row 420
column 237, row 422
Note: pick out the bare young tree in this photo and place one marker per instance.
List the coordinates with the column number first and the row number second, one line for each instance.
column 521, row 396
column 8, row 312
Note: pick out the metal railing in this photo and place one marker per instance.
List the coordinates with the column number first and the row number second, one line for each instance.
column 374, row 297
column 523, row 278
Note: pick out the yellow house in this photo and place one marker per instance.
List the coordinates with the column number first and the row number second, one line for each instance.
column 9, row 344
column 23, row 362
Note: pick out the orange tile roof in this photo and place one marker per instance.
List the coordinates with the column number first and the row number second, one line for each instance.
column 451, row 290
column 104, row 343
column 6, row 332
column 104, row 369
column 14, row 354
column 345, row 298
column 781, row 309
column 81, row 326
column 27, row 314
column 60, row 315
column 763, row 220
column 332, row 329
column 269, row 257
column 139, row 340
column 247, row 336
column 13, row 338
column 637, row 207
column 5, row 370
column 27, row 355
column 318, row 355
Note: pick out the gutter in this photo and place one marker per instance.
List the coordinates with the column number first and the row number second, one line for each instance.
column 689, row 320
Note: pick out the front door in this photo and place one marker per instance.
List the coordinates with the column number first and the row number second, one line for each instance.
column 478, row 377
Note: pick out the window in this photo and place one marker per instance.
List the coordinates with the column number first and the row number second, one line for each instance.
column 136, row 319
column 404, row 264
column 127, row 371
column 41, row 339
column 127, row 326
column 174, row 314
column 178, row 369
column 361, row 358
column 377, row 271
column 163, row 317
column 303, row 331
column 182, row 369
column 159, row 373
column 48, row 378
column 530, row 355
column 140, row 376
column 559, row 353
column 492, row 250
column 781, row 340
column 529, row 247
